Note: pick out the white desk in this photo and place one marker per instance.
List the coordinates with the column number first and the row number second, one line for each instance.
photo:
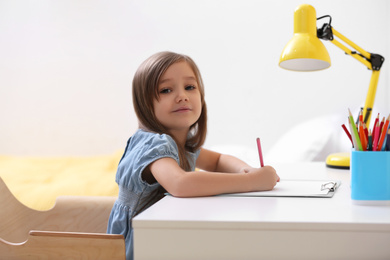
column 265, row 228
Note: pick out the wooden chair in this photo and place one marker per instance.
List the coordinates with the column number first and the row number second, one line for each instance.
column 65, row 245
column 73, row 229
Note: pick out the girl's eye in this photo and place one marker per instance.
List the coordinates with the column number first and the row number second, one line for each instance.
column 190, row 87
column 165, row 91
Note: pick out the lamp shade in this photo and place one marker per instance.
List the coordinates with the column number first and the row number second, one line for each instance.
column 305, row 51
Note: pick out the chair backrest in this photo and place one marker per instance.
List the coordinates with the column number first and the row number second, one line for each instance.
column 73, row 229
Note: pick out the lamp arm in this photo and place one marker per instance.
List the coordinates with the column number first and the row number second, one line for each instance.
column 371, row 60
column 369, row 104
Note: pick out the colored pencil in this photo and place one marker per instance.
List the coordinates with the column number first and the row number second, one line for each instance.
column 365, row 139
column 376, row 137
column 352, row 135
column 362, row 137
column 388, row 141
column 386, row 137
column 361, row 116
column 385, row 143
column 369, row 148
column 381, row 126
column 383, row 133
column 365, row 130
column 376, row 121
column 347, row 132
column 260, row 152
column 354, row 132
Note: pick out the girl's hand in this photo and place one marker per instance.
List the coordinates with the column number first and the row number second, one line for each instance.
column 264, row 178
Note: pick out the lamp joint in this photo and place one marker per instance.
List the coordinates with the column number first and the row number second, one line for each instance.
column 325, row 32
column 376, row 61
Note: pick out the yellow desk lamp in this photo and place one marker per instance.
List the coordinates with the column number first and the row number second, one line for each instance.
column 305, row 52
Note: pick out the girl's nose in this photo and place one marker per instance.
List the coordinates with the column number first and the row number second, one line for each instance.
column 182, row 96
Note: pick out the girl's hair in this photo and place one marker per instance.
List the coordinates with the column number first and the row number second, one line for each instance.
column 145, row 91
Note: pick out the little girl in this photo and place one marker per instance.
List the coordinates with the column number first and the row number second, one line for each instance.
column 168, row 98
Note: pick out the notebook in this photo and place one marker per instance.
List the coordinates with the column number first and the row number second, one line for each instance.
column 296, row 188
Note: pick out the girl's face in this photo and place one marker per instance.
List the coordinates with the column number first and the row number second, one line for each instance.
column 179, row 104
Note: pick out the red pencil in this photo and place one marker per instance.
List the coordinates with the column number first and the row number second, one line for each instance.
column 383, row 134
column 381, row 125
column 347, row 132
column 260, row 152
column 376, row 121
column 376, row 137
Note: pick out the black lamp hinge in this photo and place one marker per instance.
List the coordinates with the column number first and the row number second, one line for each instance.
column 376, row 61
column 325, row 32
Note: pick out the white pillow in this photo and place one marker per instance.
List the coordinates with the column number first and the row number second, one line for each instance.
column 313, row 140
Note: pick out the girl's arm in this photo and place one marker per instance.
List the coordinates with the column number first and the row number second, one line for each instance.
column 180, row 183
column 213, row 161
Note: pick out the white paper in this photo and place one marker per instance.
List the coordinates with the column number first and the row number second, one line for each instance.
column 294, row 188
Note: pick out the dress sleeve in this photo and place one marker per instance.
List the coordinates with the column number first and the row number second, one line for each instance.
column 143, row 149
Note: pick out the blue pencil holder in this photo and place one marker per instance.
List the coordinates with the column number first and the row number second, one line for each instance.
column 370, row 176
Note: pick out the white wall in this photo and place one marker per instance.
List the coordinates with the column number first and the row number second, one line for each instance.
column 66, row 68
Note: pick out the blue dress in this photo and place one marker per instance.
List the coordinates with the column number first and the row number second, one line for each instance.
column 135, row 194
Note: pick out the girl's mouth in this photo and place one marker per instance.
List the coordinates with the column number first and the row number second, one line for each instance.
column 182, row 109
